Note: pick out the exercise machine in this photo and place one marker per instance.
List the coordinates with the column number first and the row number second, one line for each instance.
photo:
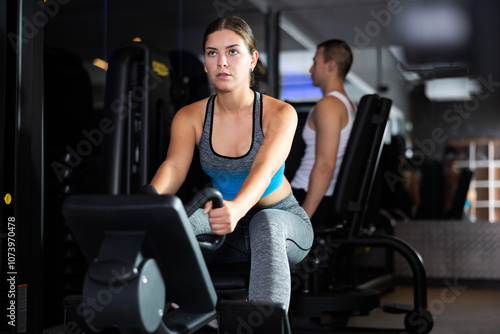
column 144, row 90
column 319, row 295
column 142, row 256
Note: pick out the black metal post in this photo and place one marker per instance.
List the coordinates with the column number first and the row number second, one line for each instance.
column 21, row 24
column 273, row 48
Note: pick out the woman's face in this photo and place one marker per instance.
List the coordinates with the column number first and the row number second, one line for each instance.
column 228, row 60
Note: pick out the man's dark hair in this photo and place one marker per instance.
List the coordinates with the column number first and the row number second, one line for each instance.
column 341, row 52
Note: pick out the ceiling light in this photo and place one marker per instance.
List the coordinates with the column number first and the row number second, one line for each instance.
column 451, row 89
column 100, row 63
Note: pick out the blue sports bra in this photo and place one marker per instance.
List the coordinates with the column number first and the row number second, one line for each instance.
column 228, row 173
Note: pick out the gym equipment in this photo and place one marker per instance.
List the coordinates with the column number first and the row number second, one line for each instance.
column 137, row 113
column 142, row 254
column 319, row 297
column 189, row 79
column 130, row 154
column 71, row 166
column 237, row 316
column 113, row 151
column 144, row 90
column 312, row 299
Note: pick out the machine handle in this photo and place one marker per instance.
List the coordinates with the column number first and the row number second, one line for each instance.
column 197, row 202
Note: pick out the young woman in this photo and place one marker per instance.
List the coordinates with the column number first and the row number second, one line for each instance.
column 244, row 138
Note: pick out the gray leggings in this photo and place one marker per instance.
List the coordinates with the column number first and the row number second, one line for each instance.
column 273, row 238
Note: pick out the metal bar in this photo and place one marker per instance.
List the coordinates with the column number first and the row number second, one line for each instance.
column 273, row 48
column 408, row 252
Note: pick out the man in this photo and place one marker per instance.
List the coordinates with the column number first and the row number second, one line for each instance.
column 326, row 130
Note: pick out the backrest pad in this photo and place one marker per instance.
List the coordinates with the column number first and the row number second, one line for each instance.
column 360, row 161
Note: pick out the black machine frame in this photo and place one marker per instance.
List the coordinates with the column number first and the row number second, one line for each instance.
column 118, row 234
column 348, row 228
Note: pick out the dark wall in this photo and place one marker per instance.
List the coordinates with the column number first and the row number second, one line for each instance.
column 436, row 123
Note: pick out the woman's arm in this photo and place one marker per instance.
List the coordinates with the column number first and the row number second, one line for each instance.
column 279, row 131
column 172, row 172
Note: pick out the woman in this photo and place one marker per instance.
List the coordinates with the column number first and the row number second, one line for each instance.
column 243, row 138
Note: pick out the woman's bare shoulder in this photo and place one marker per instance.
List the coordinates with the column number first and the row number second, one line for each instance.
column 278, row 113
column 273, row 105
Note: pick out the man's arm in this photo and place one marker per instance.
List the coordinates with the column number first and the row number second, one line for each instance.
column 328, row 119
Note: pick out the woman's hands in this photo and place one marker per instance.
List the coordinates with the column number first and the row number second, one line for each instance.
column 223, row 220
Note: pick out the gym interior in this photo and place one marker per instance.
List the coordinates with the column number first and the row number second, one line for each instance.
column 88, row 90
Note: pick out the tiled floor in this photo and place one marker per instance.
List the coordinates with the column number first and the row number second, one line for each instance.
column 456, row 309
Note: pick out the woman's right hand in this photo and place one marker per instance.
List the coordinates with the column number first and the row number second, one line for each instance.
column 223, row 220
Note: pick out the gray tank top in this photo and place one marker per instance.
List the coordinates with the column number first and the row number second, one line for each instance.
column 228, row 173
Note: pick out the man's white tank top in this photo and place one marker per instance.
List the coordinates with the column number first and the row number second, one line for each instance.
column 301, row 178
